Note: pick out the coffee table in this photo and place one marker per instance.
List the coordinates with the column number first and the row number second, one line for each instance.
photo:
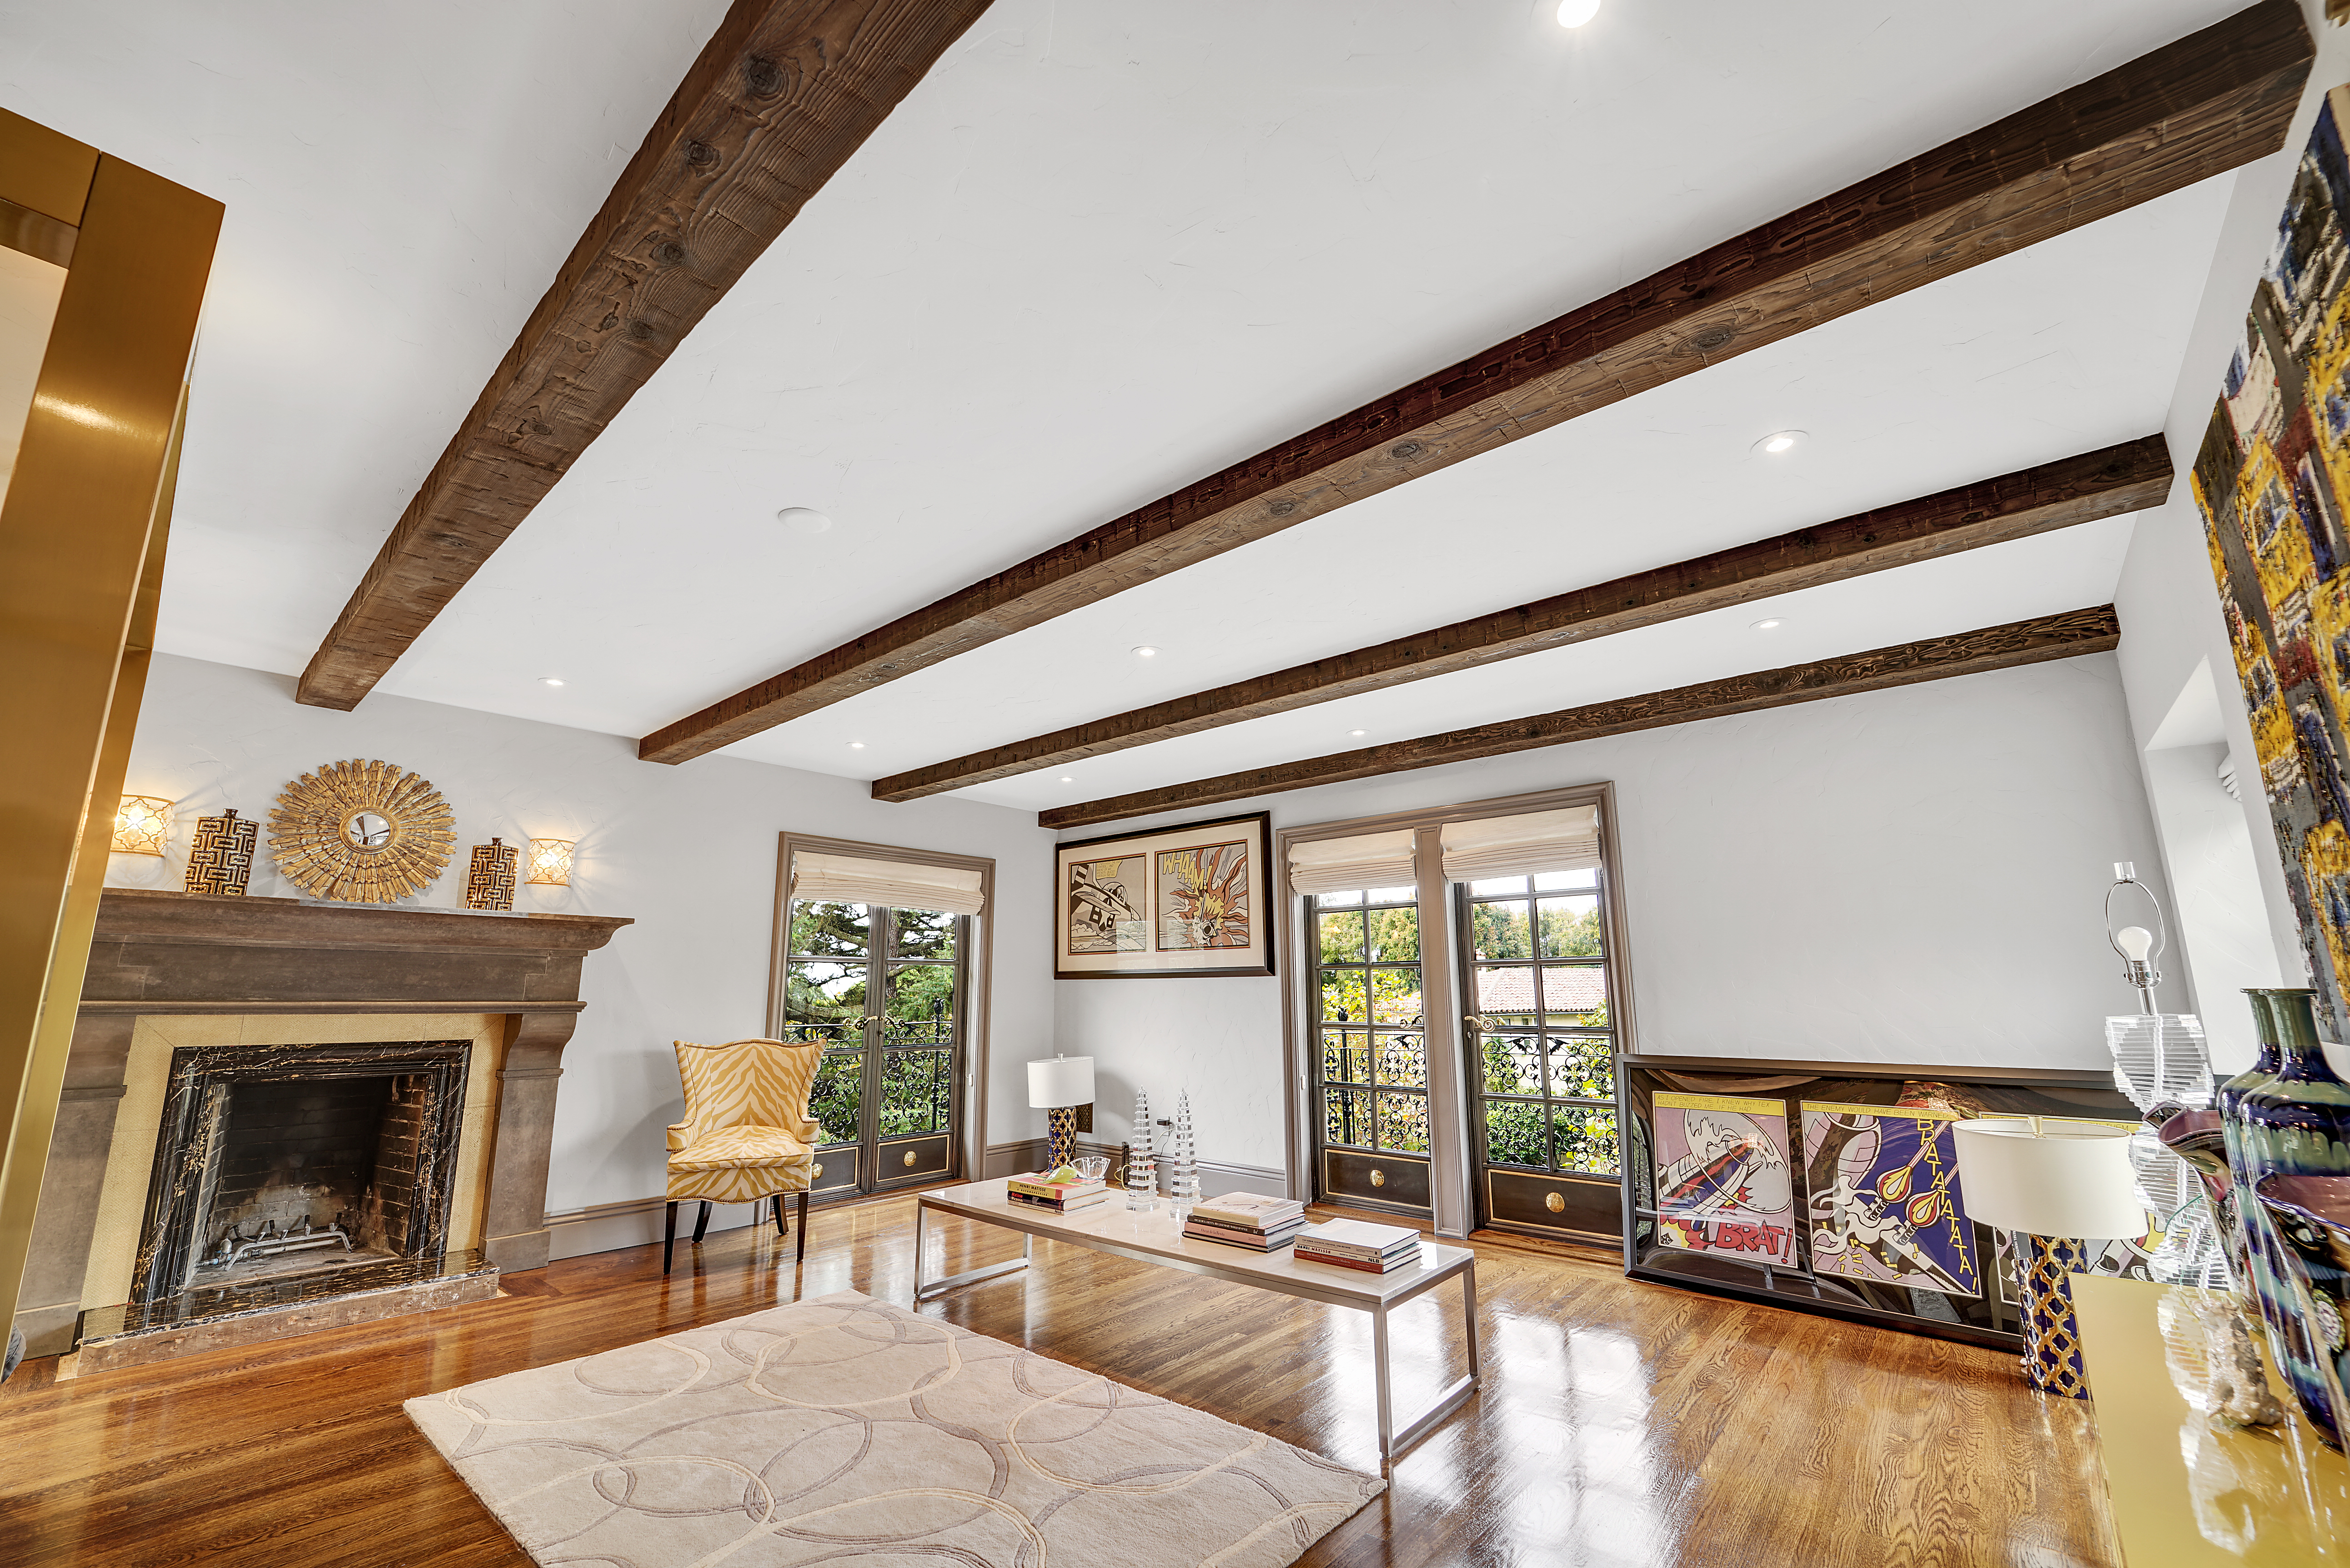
column 1152, row 1236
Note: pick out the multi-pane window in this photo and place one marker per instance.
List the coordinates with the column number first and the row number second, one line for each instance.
column 877, row 988
column 1370, row 1024
column 1544, row 1036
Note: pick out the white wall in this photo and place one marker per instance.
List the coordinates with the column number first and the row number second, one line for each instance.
column 689, row 852
column 1910, row 875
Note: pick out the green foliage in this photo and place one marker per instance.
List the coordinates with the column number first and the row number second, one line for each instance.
column 1569, row 929
column 830, row 930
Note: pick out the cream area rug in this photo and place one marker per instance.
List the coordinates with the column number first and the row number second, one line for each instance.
column 847, row 1430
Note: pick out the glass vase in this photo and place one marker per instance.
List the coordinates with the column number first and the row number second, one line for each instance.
column 2295, row 1123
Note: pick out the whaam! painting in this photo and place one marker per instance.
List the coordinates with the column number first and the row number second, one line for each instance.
column 1884, row 1199
column 1723, row 1183
column 2271, row 479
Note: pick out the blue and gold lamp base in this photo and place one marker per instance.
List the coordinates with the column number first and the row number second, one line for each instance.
column 1063, row 1121
column 2051, row 1335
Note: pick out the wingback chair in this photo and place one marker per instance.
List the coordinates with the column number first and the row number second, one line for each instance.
column 746, row 1134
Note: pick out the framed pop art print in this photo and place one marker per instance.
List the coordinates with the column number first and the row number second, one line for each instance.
column 1187, row 901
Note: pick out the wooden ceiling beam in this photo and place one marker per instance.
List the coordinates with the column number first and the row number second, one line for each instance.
column 2119, row 479
column 2208, row 103
column 776, row 102
column 2065, row 636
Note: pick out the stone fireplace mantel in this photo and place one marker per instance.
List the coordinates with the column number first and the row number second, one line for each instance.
column 158, row 952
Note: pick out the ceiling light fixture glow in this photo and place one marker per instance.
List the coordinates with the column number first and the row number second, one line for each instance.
column 804, row 520
column 1146, row 651
column 1773, row 624
column 550, row 681
column 1067, row 779
column 1779, row 441
column 1576, row 13
column 856, row 745
column 1358, row 734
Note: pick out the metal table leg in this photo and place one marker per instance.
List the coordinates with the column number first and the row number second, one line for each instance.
column 923, row 1293
column 1458, row 1393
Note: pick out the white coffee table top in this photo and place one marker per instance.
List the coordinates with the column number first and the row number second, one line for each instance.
column 1152, row 1236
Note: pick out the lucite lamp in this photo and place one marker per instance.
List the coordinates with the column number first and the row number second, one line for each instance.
column 2051, row 1186
column 1058, row 1086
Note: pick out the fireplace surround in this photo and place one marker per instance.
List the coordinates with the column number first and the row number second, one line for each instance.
column 176, row 973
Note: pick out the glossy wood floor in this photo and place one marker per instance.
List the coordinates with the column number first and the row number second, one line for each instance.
column 1619, row 1424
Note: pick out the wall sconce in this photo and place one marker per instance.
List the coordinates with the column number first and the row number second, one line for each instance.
column 141, row 824
column 550, row 861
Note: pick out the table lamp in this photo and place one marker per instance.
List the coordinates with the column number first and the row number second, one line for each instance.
column 2052, row 1186
column 1060, row 1085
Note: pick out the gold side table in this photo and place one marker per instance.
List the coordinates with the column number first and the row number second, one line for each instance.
column 2185, row 1489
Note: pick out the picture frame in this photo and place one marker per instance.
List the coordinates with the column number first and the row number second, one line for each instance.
column 1723, row 1156
column 1194, row 900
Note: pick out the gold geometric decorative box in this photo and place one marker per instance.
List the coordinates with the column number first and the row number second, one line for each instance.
column 361, row 833
column 220, row 859
column 490, row 884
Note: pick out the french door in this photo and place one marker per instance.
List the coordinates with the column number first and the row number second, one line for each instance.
column 1369, row 1030
column 1540, row 1052
column 883, row 991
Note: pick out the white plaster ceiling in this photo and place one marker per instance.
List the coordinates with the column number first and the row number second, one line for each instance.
column 1102, row 250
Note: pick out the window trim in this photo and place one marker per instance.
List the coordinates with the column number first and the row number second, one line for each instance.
column 1440, row 983
column 970, row 1139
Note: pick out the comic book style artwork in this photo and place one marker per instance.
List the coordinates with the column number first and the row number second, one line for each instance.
column 1203, row 897
column 2119, row 1258
column 2270, row 478
column 1106, row 906
column 1724, row 1184
column 1883, row 1200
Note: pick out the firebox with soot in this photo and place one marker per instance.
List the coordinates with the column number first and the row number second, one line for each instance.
column 281, row 1160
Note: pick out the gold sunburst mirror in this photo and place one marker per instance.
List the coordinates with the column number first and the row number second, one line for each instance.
column 362, row 832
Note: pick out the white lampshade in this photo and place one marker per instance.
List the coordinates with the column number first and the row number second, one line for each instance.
column 1061, row 1080
column 2061, row 1181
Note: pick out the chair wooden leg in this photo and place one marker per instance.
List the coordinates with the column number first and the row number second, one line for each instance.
column 669, row 1239
column 701, row 1222
column 803, row 1253
column 776, row 1203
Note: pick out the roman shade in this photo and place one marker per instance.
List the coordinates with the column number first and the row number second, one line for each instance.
column 1528, row 845
column 1343, row 865
column 897, row 884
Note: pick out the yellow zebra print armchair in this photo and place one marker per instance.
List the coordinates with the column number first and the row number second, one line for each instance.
column 746, row 1134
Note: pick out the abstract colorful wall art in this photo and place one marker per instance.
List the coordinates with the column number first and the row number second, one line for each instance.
column 1185, row 899
column 2270, row 479
column 1724, row 1184
column 1883, row 1204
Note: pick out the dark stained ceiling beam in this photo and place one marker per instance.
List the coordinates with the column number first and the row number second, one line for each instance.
column 2066, row 635
column 2206, row 104
column 2076, row 490
column 777, row 100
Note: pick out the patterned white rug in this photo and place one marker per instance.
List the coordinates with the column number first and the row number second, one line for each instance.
column 847, row 1429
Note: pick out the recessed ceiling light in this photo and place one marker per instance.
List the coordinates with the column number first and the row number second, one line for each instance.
column 856, row 745
column 550, row 681
column 1067, row 778
column 804, row 520
column 1358, row 734
column 1772, row 624
column 1576, row 13
column 1779, row 441
column 1146, row 651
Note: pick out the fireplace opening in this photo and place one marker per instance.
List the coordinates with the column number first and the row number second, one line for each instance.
column 276, row 1162
column 313, row 1173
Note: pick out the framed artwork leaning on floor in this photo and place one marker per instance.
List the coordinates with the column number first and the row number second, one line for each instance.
column 1187, row 901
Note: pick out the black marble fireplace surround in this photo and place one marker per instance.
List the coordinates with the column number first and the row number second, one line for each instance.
column 360, row 1136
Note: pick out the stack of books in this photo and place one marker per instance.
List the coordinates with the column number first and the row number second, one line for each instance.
column 1356, row 1244
column 1060, row 1197
column 1247, row 1220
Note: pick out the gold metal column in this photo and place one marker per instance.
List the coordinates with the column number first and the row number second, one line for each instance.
column 81, row 555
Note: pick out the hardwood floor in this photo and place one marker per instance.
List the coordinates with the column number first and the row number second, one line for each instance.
column 1619, row 1424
